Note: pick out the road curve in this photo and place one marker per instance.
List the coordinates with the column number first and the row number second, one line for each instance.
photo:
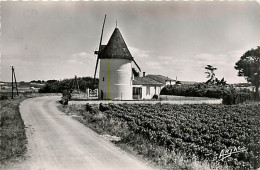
column 57, row 142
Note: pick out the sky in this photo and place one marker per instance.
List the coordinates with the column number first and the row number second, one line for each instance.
column 57, row 40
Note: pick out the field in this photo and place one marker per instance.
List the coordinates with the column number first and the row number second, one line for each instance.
column 176, row 136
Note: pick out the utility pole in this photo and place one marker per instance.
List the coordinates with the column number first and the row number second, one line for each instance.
column 258, row 47
column 76, row 84
column 12, row 82
column 14, row 79
column 15, row 83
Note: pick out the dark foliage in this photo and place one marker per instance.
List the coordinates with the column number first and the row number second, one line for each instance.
column 236, row 97
column 229, row 94
column 210, row 73
column 136, row 73
column 103, row 107
column 89, row 107
column 3, row 96
column 155, row 96
column 37, row 81
column 55, row 86
column 248, row 66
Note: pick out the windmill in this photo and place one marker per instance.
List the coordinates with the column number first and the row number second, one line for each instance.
column 115, row 74
column 98, row 52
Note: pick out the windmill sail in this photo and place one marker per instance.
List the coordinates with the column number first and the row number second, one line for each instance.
column 97, row 52
column 137, row 65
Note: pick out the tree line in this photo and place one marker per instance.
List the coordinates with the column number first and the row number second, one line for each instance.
column 56, row 86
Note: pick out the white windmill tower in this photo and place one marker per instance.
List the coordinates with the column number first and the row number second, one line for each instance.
column 115, row 74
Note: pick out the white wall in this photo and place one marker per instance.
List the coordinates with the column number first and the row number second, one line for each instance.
column 153, row 91
column 117, row 82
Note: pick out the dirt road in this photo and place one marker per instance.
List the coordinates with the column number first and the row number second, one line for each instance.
column 57, row 142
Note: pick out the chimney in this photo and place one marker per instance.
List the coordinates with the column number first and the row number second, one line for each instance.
column 143, row 74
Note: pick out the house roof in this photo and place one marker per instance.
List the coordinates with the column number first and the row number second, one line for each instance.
column 115, row 48
column 145, row 81
column 159, row 78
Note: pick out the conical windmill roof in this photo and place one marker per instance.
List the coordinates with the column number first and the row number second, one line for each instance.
column 116, row 47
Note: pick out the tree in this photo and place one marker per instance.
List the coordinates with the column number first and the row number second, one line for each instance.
column 249, row 67
column 210, row 74
column 55, row 86
column 136, row 73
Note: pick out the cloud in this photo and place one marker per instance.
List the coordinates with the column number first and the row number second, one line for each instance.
column 227, row 59
column 80, row 55
column 191, row 68
column 79, row 58
column 138, row 53
column 223, row 62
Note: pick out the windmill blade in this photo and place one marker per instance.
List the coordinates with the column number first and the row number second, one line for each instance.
column 95, row 73
column 137, row 65
column 102, row 33
column 99, row 50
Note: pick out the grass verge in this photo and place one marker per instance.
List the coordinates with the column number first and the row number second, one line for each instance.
column 12, row 136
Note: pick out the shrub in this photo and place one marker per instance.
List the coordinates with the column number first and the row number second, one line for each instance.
column 3, row 97
column 89, row 107
column 103, row 108
column 155, row 96
column 195, row 90
column 237, row 97
column 229, row 95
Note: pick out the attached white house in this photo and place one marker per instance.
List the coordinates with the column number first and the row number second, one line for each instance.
column 146, row 88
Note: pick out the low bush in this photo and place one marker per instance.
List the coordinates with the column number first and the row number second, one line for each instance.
column 3, row 97
column 237, row 97
column 103, row 107
column 155, row 96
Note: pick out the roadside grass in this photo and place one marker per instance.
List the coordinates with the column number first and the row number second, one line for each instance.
column 12, row 136
column 135, row 144
column 12, row 130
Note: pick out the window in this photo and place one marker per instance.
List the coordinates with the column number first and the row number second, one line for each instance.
column 103, row 78
column 147, row 90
